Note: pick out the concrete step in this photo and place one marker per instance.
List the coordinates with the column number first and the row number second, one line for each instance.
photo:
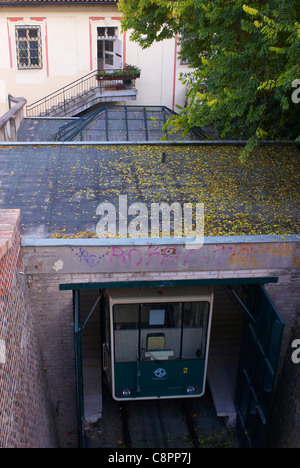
column 92, row 390
column 221, row 378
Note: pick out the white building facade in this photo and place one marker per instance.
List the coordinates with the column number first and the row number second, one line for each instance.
column 49, row 44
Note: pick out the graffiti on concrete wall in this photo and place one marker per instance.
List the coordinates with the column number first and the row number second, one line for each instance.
column 159, row 258
column 120, row 258
column 255, row 256
column 92, row 260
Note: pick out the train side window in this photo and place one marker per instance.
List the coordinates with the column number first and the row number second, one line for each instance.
column 126, row 316
column 194, row 334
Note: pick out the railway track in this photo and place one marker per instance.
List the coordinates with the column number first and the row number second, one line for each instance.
column 160, row 424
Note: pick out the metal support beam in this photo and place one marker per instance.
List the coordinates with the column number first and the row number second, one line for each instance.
column 146, row 125
column 91, row 312
column 126, row 123
column 106, row 123
column 165, row 283
column 243, row 305
column 78, row 364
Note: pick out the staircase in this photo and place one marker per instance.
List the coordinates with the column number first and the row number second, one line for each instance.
column 78, row 96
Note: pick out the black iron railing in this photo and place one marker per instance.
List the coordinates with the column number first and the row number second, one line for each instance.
column 59, row 101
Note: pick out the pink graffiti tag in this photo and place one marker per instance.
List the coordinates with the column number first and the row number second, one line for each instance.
column 139, row 255
column 152, row 253
column 169, row 252
column 156, row 255
column 115, row 254
column 223, row 248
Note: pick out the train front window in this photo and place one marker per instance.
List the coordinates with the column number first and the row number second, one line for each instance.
column 160, row 331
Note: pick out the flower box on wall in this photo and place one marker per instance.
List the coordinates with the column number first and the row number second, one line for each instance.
column 112, row 77
column 129, row 72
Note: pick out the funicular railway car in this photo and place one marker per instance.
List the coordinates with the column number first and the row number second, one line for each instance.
column 156, row 341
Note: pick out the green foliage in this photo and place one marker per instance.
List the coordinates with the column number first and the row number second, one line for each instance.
column 243, row 59
column 129, row 70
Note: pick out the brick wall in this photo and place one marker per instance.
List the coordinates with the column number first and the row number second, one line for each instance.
column 25, row 414
column 10, row 257
column 54, row 311
column 286, row 296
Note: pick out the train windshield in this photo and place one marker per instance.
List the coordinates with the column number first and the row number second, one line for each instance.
column 160, row 331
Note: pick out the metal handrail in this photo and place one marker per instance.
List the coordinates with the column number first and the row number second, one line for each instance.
column 77, row 89
column 60, row 97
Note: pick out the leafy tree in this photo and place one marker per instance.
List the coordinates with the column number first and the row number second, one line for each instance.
column 244, row 58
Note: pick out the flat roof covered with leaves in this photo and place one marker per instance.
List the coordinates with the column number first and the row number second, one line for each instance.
column 59, row 186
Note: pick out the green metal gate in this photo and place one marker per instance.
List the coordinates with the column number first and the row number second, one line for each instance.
column 78, row 363
column 259, row 359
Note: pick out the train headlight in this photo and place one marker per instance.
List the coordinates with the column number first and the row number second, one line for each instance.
column 126, row 392
column 190, row 389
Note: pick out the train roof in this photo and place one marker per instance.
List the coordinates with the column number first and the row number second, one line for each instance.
column 169, row 294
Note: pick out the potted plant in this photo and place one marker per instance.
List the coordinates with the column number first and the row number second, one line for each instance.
column 132, row 70
column 129, row 72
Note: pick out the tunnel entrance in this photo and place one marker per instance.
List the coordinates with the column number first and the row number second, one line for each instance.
column 245, row 341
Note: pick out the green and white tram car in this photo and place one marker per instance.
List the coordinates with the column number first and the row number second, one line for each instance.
column 156, row 341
